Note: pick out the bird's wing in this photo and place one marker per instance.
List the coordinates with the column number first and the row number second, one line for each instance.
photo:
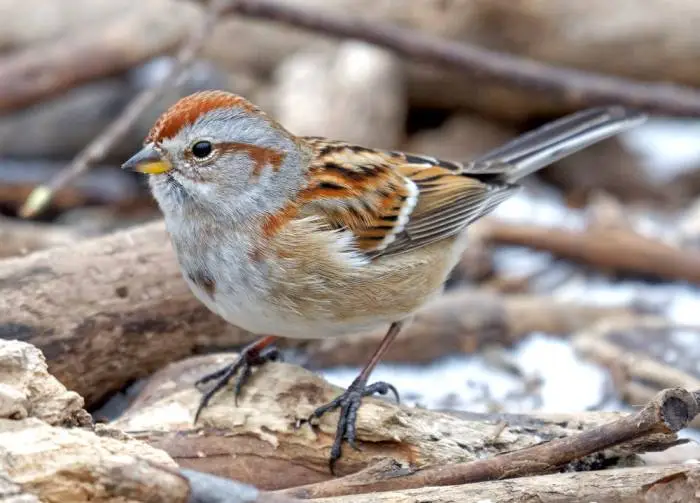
column 393, row 202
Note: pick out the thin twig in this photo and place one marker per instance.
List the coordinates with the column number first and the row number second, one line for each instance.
column 101, row 145
column 670, row 411
column 578, row 88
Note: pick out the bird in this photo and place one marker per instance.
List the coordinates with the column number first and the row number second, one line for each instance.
column 306, row 237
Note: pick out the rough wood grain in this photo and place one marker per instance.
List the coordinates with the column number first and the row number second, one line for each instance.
column 261, row 441
column 668, row 412
column 50, row 450
column 658, row 484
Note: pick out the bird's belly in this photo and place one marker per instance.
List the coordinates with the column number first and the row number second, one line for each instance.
column 258, row 314
column 300, row 298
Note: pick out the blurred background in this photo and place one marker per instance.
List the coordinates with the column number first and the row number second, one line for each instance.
column 586, row 326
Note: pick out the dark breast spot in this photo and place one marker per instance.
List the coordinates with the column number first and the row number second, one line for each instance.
column 203, row 280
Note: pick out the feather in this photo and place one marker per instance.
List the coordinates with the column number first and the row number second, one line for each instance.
column 395, row 202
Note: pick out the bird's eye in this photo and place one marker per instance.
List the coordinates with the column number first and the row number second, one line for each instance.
column 201, row 149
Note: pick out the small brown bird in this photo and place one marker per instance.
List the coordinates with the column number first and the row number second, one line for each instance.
column 305, row 237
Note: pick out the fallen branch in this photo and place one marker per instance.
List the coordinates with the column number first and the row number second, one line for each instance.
column 579, row 88
column 670, row 411
column 100, row 146
column 260, row 440
column 607, row 248
column 643, row 355
column 660, row 483
column 48, row 69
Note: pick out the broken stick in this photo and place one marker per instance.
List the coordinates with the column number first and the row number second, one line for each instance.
column 670, row 411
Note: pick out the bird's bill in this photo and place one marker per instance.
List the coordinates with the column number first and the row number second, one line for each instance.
column 148, row 160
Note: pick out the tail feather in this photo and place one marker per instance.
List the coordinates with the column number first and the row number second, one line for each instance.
column 555, row 140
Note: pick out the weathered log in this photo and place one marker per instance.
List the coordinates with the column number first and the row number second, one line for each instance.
column 668, row 412
column 49, row 449
column 656, row 484
column 610, row 249
column 265, row 440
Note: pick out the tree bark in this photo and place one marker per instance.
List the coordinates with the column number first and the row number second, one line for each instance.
column 656, row 484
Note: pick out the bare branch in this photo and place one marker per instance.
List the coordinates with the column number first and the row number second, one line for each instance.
column 606, row 248
column 578, row 88
column 670, row 411
column 48, row 69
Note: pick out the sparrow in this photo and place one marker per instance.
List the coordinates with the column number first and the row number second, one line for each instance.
column 307, row 237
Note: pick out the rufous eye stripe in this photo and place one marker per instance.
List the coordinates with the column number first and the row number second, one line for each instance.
column 261, row 156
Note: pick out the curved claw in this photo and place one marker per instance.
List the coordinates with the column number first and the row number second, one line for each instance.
column 382, row 388
column 248, row 359
column 349, row 403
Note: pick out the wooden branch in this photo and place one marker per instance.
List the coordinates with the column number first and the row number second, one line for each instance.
column 21, row 238
column 579, row 88
column 260, row 441
column 670, row 411
column 644, row 355
column 107, row 310
column 48, row 69
column 610, row 249
column 51, row 449
column 666, row 483
column 101, row 145
column 11, row 492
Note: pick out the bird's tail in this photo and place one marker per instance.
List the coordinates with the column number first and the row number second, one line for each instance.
column 555, row 140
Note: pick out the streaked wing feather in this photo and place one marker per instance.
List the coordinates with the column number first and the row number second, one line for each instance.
column 372, row 193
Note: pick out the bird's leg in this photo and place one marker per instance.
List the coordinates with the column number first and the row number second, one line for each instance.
column 349, row 401
column 252, row 355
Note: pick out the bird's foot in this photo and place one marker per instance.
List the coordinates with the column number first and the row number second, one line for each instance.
column 249, row 358
column 349, row 403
